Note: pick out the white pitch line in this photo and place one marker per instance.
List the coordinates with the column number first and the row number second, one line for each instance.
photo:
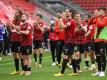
column 13, row 62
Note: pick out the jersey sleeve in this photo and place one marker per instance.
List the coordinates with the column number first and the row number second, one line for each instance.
column 102, row 23
column 29, row 27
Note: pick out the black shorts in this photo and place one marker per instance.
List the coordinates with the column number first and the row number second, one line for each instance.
column 53, row 44
column 26, row 50
column 59, row 47
column 89, row 46
column 79, row 47
column 16, row 46
column 68, row 49
column 106, row 47
column 100, row 48
column 1, row 46
column 37, row 44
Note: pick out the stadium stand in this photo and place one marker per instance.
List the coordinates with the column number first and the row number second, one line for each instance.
column 51, row 6
column 90, row 4
column 25, row 6
column 48, row 8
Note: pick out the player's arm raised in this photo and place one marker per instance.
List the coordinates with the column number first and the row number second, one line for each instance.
column 89, row 31
column 12, row 25
column 62, row 25
column 25, row 32
column 41, row 28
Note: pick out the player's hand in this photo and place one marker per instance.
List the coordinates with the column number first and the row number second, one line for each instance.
column 68, row 24
column 9, row 23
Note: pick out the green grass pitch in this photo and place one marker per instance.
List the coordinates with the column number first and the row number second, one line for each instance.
column 44, row 73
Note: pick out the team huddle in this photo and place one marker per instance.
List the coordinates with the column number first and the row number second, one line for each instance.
column 70, row 33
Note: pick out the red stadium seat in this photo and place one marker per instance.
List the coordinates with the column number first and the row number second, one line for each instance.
column 91, row 4
column 26, row 6
column 21, row 3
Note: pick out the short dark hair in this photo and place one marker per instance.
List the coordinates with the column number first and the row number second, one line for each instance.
column 75, row 13
column 71, row 10
column 89, row 16
column 40, row 15
column 102, row 8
